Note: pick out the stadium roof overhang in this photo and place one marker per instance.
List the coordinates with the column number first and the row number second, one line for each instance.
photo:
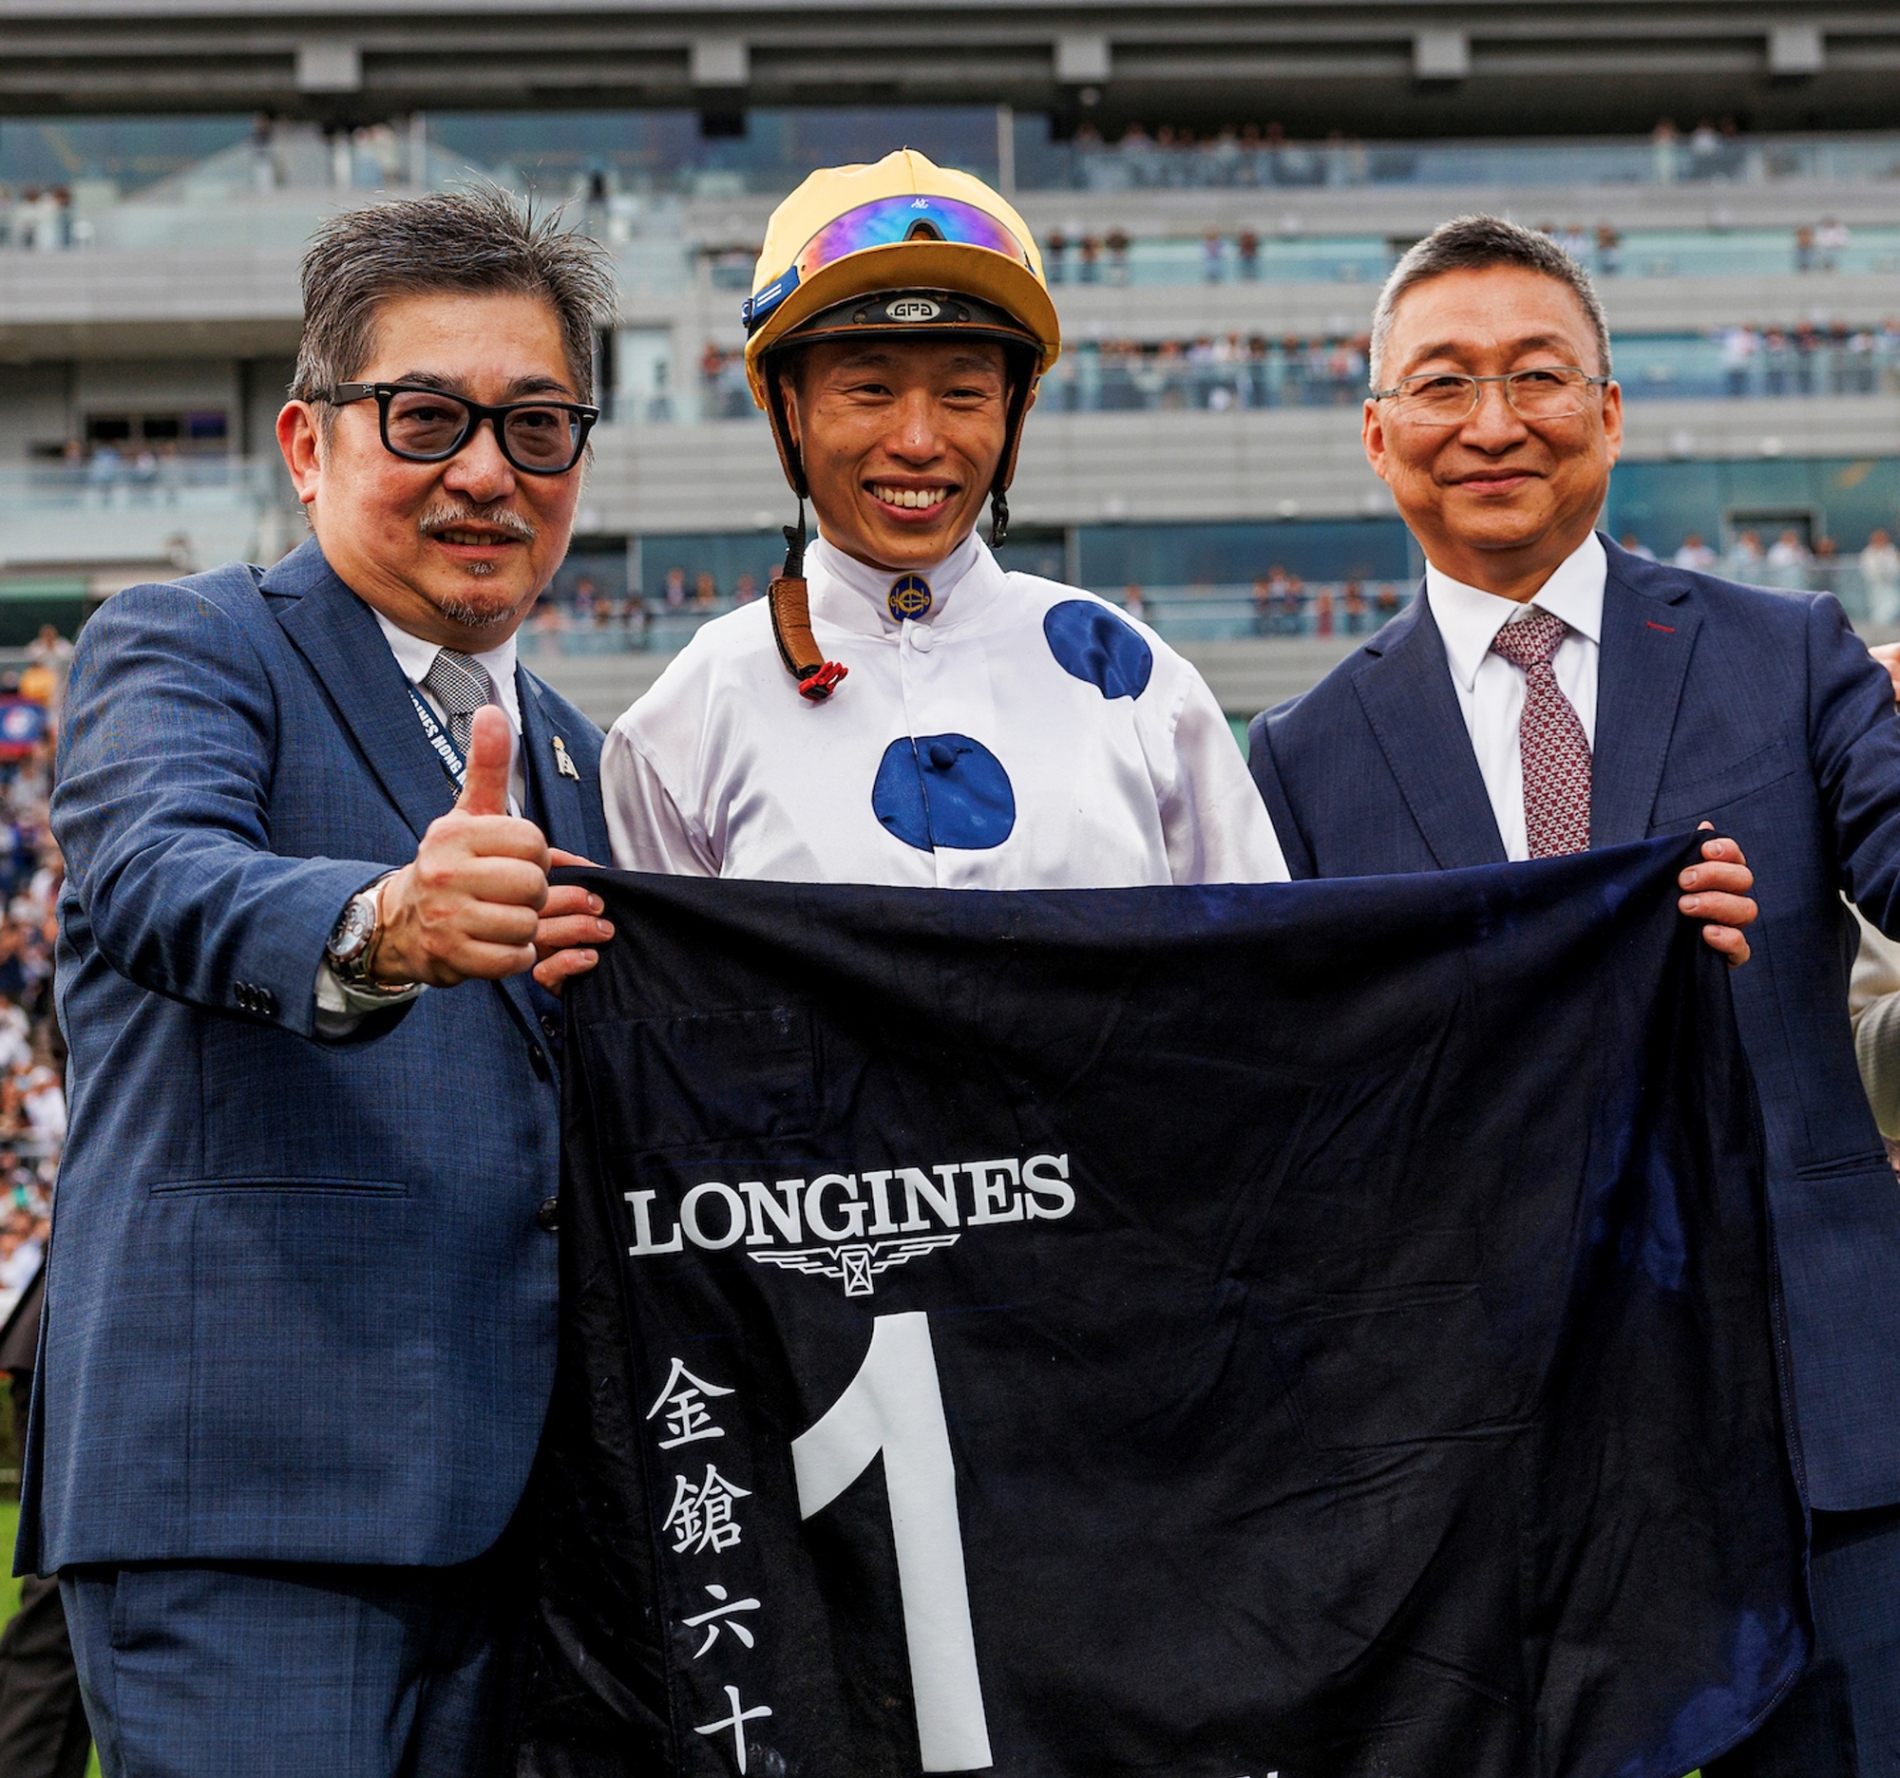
column 1368, row 67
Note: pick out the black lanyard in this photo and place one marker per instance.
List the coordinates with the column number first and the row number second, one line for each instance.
column 445, row 750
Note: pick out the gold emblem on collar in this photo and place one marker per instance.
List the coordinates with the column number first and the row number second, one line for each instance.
column 909, row 597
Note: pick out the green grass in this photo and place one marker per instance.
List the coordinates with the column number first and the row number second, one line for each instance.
column 10, row 1589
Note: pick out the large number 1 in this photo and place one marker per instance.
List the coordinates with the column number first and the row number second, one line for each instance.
column 894, row 1405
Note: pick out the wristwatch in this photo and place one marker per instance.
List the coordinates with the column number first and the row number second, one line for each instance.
column 353, row 938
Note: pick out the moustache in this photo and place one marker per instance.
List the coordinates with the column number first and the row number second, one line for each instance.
column 502, row 518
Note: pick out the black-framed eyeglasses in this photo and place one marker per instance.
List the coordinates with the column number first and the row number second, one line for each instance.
column 423, row 425
column 1445, row 398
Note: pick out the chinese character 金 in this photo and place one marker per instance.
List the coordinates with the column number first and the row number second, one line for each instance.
column 686, row 1416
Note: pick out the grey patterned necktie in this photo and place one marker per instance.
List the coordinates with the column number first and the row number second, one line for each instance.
column 461, row 686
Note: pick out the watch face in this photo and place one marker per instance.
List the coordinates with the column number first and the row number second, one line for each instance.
column 352, row 931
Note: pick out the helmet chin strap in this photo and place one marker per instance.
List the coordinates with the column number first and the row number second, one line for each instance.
column 790, row 600
column 999, row 516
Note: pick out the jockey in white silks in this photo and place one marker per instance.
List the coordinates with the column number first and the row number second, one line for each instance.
column 902, row 710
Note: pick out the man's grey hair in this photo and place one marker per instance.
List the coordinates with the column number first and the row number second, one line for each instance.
column 1474, row 244
column 480, row 242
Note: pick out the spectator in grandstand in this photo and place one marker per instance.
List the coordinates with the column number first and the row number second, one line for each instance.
column 1117, row 243
column 299, row 1338
column 1694, row 554
column 1830, row 243
column 1609, row 250
column 1353, row 607
column 1056, row 256
column 1247, row 255
column 1748, row 552
column 1777, row 360
column 1880, row 578
column 1739, row 345
column 51, row 651
column 1788, row 551
column 1132, row 601
column 1637, row 547
column 1213, row 257
column 1804, row 249
column 705, row 592
column 1636, row 699
column 1807, row 345
column 673, row 591
column 1874, row 1007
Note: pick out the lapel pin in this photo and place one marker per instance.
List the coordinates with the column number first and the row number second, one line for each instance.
column 564, row 761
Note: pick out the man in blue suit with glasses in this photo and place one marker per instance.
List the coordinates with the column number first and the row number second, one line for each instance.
column 300, row 1317
column 1548, row 692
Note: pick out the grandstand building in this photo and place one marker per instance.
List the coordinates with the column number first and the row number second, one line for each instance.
column 1215, row 244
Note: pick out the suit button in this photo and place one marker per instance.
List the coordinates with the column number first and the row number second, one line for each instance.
column 549, row 1029
column 267, row 1003
column 549, row 1215
column 243, row 992
column 538, row 1061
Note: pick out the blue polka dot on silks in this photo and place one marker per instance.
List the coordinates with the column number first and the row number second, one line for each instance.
column 944, row 790
column 1091, row 642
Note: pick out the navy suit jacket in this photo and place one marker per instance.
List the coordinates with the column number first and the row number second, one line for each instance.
column 1762, row 713
column 299, row 1306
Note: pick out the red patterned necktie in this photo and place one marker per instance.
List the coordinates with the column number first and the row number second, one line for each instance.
column 1550, row 741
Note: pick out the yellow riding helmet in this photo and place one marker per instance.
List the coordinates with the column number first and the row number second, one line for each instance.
column 900, row 246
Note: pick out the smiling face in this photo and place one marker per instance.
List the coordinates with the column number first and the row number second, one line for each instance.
column 900, row 440
column 453, row 552
column 1496, row 501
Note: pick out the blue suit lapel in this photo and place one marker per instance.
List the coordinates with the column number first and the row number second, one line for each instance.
column 1405, row 689
column 339, row 636
column 567, row 825
column 1648, row 635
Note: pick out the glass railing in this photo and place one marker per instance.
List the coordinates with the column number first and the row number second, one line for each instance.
column 1219, row 373
column 1244, row 159
column 1268, row 609
column 59, row 181
column 175, row 513
column 1115, row 259
column 1178, row 614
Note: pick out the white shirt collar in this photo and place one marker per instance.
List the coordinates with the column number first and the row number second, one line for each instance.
column 1469, row 619
column 845, row 589
column 415, row 657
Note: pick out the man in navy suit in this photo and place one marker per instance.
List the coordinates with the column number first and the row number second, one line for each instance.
column 1549, row 691
column 300, row 1318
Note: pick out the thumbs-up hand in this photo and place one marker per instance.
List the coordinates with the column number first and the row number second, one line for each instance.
column 491, row 751
column 469, row 905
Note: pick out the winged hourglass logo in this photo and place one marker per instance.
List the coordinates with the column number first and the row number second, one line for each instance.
column 856, row 1265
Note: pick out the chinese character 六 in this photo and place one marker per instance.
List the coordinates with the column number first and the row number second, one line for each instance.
column 702, row 1516
column 735, row 1722
column 711, row 1620
column 686, row 1416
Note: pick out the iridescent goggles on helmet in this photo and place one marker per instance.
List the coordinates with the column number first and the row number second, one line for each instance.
column 884, row 223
